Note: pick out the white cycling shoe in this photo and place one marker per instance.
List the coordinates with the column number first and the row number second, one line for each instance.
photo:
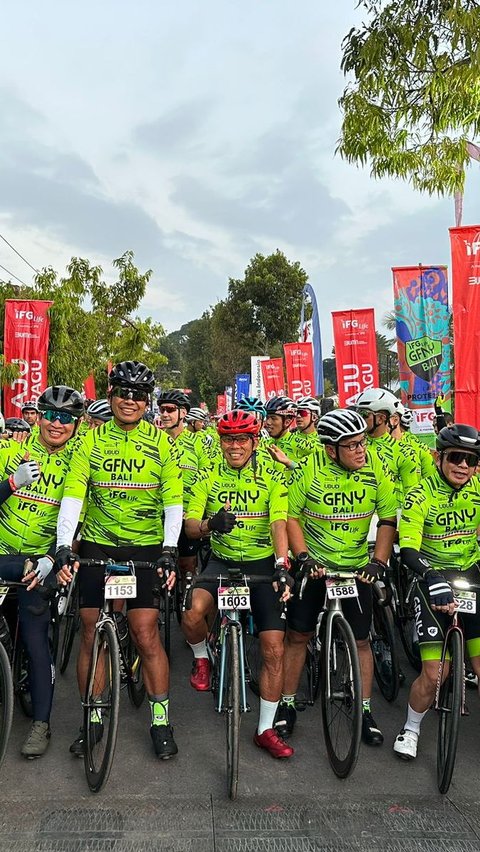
column 406, row 744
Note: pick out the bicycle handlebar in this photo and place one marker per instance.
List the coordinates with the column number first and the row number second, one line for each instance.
column 236, row 578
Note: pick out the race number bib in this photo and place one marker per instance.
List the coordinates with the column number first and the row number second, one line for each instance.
column 121, row 587
column 341, row 589
column 233, row 597
column 465, row 602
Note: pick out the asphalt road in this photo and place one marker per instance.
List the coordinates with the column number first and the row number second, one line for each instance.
column 181, row 804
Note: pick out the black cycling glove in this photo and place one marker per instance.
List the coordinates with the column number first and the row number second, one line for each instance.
column 222, row 522
column 168, row 559
column 64, row 556
column 439, row 589
column 373, row 571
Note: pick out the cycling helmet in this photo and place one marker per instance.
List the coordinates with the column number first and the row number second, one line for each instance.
column 175, row 397
column 61, row 398
column 406, row 418
column 238, row 423
column 100, row 409
column 29, row 406
column 282, row 405
column 310, row 403
column 251, row 403
column 16, row 424
column 377, row 399
column 196, row 414
column 132, row 374
column 338, row 424
column 459, row 437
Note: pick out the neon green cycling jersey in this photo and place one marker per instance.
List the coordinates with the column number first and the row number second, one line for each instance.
column 425, row 462
column 257, row 497
column 401, row 467
column 188, row 462
column 28, row 519
column 334, row 507
column 441, row 522
column 304, row 444
column 127, row 478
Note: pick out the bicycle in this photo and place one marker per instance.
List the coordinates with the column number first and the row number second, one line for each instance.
column 227, row 655
column 6, row 678
column 110, row 663
column 340, row 685
column 382, row 639
column 402, row 586
column 450, row 689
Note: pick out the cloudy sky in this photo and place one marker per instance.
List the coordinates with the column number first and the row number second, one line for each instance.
column 197, row 134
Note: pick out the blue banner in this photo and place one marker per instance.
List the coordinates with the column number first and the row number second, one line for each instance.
column 242, row 385
column 316, row 337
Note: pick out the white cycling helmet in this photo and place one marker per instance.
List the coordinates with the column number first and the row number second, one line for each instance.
column 100, row 409
column 338, row 424
column 377, row 399
column 407, row 417
column 309, row 403
column 196, row 414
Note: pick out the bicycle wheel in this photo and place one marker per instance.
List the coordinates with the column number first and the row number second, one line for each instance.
column 253, row 659
column 384, row 649
column 102, row 699
column 232, row 707
column 71, row 620
column 135, row 685
column 405, row 620
column 312, row 665
column 6, row 700
column 342, row 702
column 178, row 598
column 54, row 631
column 165, row 619
column 450, row 708
column 20, row 679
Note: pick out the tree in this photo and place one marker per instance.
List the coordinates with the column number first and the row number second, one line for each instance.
column 413, row 101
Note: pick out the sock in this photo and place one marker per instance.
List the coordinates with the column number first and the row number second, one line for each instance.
column 289, row 700
column 414, row 720
column 199, row 650
column 96, row 714
column 366, row 705
column 267, row 715
column 159, row 709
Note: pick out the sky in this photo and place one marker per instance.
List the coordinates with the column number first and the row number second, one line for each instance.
column 198, row 134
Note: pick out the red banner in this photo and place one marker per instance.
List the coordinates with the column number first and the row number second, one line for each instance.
column 465, row 245
column 221, row 404
column 27, row 328
column 273, row 378
column 300, row 374
column 89, row 387
column 355, row 353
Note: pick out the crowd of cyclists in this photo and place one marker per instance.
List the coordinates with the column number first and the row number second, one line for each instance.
column 273, row 488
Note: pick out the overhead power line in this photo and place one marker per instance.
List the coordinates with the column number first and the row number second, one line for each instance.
column 18, row 253
column 12, row 275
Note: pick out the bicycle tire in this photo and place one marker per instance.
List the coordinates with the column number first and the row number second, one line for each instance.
column 313, row 668
column 100, row 751
column 71, row 619
column 20, row 679
column 339, row 655
column 178, row 599
column 165, row 616
column 54, row 631
column 135, row 685
column 405, row 619
column 232, row 708
column 450, row 709
column 253, row 660
column 384, row 649
column 6, row 701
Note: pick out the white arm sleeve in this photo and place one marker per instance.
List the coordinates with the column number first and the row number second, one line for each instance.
column 67, row 522
column 173, row 525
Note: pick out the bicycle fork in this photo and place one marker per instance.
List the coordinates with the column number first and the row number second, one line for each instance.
column 231, row 623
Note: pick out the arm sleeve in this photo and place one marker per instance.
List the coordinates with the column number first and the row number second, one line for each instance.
column 172, row 525
column 412, row 559
column 67, row 521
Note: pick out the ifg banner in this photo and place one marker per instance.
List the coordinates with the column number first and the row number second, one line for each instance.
column 422, row 319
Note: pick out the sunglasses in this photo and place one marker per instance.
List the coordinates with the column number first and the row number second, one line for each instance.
column 235, row 439
column 129, row 393
column 459, row 457
column 364, row 412
column 167, row 409
column 63, row 417
column 303, row 412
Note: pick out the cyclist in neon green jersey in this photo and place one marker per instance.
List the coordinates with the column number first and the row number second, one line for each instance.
column 30, row 413
column 245, row 503
column 400, row 423
column 128, row 472
column 332, row 498
column 280, row 417
column 438, row 541
column 305, row 437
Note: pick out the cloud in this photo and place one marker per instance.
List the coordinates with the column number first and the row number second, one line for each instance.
column 176, row 130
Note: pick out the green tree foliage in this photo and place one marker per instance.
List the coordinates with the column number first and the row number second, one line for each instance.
column 413, row 99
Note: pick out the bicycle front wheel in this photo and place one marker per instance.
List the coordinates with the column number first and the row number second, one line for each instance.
column 341, row 695
column 101, row 707
column 6, row 701
column 165, row 617
column 449, row 709
column 384, row 649
column 71, row 619
column 232, row 707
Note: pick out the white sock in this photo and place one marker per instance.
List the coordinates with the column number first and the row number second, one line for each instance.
column 199, row 650
column 414, row 720
column 267, row 715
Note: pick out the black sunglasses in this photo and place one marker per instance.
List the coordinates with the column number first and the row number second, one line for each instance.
column 130, row 393
column 457, row 457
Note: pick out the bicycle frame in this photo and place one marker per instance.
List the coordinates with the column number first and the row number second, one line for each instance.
column 228, row 618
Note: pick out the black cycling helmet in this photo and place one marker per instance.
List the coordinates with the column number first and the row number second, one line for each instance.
column 16, row 424
column 61, row 398
column 282, row 405
column 175, row 397
column 459, row 437
column 132, row 374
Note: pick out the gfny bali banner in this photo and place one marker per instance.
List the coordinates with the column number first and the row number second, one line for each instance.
column 27, row 329
column 465, row 246
column 355, row 353
column 273, row 378
column 422, row 317
column 299, row 366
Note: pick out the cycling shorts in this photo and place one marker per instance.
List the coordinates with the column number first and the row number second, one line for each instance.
column 267, row 611
column 91, row 582
column 188, row 546
column 302, row 614
column 430, row 626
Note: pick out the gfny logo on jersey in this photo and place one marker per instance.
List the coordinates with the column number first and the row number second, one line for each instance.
column 455, row 517
column 122, row 468
column 339, row 500
column 238, row 499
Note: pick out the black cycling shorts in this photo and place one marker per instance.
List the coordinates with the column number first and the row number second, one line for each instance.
column 302, row 614
column 188, row 546
column 430, row 626
column 90, row 580
column 267, row 611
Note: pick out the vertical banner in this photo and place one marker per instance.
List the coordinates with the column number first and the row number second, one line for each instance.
column 228, row 398
column 89, row 387
column 465, row 247
column 355, row 353
column 221, row 404
column 422, row 319
column 256, row 387
column 273, row 378
column 242, row 385
column 299, row 366
column 316, row 338
column 27, row 328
